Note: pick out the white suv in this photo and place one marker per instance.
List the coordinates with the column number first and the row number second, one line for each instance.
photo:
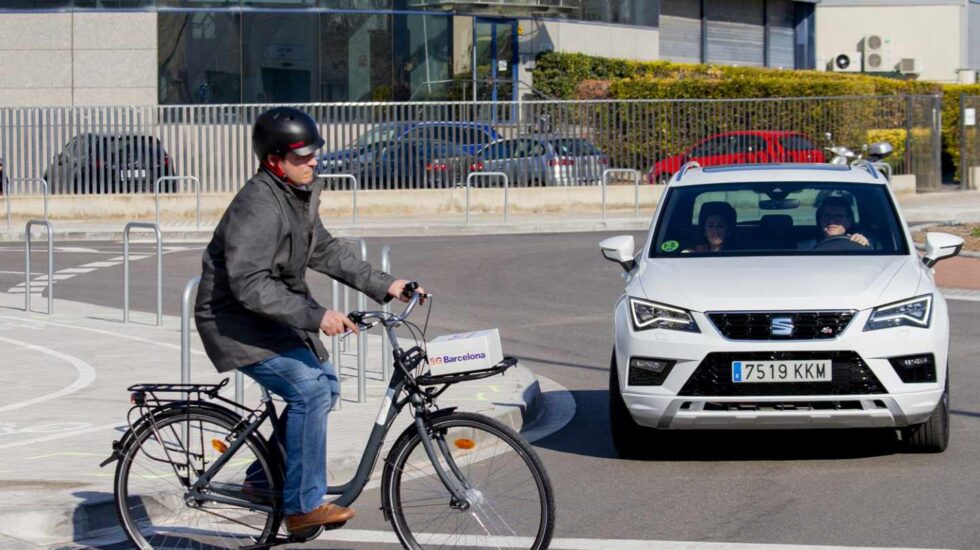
column 779, row 296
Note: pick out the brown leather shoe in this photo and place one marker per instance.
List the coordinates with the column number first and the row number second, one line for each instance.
column 326, row 515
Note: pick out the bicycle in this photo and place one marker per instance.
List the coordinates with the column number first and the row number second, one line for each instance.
column 193, row 473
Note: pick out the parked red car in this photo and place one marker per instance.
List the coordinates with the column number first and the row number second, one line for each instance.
column 741, row 147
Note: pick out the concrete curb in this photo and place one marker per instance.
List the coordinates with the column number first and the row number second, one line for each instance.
column 407, row 230
column 26, row 527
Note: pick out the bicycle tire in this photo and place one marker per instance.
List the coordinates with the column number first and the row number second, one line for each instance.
column 134, row 506
column 478, row 457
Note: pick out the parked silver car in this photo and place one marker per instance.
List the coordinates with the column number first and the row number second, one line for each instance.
column 545, row 160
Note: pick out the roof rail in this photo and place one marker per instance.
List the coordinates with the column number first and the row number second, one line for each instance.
column 868, row 167
column 686, row 167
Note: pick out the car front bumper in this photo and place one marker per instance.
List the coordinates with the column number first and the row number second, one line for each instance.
column 671, row 406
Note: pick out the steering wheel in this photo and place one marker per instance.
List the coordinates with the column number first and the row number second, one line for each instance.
column 839, row 243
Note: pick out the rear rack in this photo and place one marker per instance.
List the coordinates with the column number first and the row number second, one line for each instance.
column 210, row 390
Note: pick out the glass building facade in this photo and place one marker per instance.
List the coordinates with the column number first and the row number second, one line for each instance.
column 298, row 51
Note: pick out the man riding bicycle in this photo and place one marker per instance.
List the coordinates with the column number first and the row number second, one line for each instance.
column 254, row 310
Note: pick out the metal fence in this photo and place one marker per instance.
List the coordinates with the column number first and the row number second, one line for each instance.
column 969, row 142
column 437, row 145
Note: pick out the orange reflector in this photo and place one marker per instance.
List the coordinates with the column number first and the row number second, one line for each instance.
column 465, row 444
column 219, row 445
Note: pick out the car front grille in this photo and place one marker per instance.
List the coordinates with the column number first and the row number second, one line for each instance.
column 758, row 325
column 850, row 375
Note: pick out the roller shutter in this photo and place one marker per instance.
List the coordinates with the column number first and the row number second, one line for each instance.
column 735, row 32
column 680, row 30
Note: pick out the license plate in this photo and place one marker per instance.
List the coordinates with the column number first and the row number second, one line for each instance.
column 133, row 174
column 812, row 370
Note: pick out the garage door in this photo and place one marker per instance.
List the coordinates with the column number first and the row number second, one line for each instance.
column 781, row 34
column 680, row 30
column 735, row 32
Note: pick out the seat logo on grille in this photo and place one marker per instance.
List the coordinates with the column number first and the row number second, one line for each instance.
column 782, row 326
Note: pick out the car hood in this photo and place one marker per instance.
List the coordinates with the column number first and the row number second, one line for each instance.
column 779, row 283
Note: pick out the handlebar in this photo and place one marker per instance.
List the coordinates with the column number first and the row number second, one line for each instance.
column 362, row 318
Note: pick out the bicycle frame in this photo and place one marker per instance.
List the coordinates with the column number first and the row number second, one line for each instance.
column 390, row 408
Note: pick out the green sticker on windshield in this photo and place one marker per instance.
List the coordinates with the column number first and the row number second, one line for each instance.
column 670, row 246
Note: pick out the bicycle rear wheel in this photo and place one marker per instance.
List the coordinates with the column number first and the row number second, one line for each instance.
column 155, row 472
column 512, row 503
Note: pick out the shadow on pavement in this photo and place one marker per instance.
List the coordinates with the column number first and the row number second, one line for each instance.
column 588, row 435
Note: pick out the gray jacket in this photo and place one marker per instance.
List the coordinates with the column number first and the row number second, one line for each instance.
column 253, row 302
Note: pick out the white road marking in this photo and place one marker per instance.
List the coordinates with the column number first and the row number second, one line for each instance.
column 76, row 250
column 86, row 374
column 961, row 294
column 101, row 264
column 388, row 537
column 77, row 270
column 73, row 433
column 106, row 332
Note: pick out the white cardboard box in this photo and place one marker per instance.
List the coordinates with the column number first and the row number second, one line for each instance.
column 464, row 352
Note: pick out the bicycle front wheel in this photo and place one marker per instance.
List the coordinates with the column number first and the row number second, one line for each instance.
column 510, row 500
column 167, row 456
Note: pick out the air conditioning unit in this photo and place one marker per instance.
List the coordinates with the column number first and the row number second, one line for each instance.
column 909, row 65
column 846, row 63
column 876, row 50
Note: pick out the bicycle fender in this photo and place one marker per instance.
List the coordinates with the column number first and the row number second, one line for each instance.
column 121, row 445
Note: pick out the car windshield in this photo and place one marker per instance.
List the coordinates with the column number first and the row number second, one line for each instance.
column 778, row 219
column 383, row 134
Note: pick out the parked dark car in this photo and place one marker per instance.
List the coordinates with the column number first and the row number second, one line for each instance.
column 741, row 147
column 110, row 163
column 413, row 164
column 545, row 159
column 469, row 137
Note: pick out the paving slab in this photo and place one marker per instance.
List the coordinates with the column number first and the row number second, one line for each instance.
column 63, row 400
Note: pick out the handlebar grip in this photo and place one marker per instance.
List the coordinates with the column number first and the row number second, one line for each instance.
column 410, row 288
column 356, row 317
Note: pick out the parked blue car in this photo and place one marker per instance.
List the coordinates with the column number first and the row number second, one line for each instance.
column 467, row 137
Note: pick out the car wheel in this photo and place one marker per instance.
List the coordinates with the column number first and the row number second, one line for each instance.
column 932, row 436
column 629, row 438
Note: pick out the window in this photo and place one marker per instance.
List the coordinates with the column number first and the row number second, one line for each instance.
column 777, row 218
column 796, row 143
column 200, row 57
column 115, row 4
column 575, row 147
column 421, row 57
column 280, row 58
column 499, row 150
column 356, row 57
column 627, row 12
column 747, row 143
column 36, row 4
column 721, row 145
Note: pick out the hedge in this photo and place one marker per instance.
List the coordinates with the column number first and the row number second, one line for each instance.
column 580, row 76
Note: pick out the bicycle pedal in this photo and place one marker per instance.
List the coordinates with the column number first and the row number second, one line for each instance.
column 304, row 535
column 333, row 526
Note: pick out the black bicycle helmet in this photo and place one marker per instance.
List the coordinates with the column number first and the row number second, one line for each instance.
column 283, row 129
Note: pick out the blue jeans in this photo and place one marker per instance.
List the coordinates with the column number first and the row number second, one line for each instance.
column 309, row 389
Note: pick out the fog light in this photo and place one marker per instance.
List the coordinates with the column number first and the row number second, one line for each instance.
column 648, row 371
column 915, row 368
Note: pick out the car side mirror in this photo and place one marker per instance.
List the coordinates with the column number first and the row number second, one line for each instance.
column 620, row 250
column 940, row 246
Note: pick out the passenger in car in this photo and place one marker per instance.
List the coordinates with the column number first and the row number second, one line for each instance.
column 717, row 223
column 835, row 220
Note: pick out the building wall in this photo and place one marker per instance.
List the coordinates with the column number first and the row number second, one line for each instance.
column 930, row 32
column 63, row 59
column 973, row 34
column 608, row 40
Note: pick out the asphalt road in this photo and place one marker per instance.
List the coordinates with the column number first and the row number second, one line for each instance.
column 551, row 297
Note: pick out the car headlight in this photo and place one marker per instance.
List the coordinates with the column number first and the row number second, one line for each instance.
column 914, row 312
column 648, row 315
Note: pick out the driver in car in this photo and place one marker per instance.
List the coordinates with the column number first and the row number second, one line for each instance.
column 835, row 219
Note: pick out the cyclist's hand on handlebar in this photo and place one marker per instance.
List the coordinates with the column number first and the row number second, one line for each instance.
column 335, row 323
column 398, row 290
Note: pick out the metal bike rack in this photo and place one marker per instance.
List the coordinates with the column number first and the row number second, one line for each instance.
column 354, row 189
column 475, row 175
column 385, row 344
column 636, row 184
column 335, row 345
column 159, row 242
column 185, row 340
column 44, row 186
column 197, row 187
column 335, row 341
column 5, row 185
column 27, row 264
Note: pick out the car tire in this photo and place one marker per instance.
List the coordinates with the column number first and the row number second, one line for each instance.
column 932, row 436
column 629, row 438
